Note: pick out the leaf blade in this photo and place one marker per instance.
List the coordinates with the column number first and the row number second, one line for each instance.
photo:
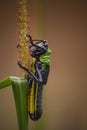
column 5, row 83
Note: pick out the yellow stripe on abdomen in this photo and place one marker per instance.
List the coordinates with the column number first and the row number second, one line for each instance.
column 31, row 99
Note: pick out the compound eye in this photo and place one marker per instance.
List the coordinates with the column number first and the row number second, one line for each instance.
column 40, row 43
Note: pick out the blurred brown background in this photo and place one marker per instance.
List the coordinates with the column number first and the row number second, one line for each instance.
column 65, row 28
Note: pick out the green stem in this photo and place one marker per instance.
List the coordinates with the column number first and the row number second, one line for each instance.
column 19, row 86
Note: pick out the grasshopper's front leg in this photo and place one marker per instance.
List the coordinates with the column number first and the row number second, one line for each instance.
column 27, row 70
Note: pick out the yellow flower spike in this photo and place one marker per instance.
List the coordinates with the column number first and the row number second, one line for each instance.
column 23, row 17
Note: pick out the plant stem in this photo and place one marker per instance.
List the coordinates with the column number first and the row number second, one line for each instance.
column 19, row 86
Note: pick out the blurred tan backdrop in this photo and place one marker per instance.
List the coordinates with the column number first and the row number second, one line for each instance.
column 65, row 28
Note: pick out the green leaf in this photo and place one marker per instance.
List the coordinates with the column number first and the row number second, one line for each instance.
column 5, row 83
